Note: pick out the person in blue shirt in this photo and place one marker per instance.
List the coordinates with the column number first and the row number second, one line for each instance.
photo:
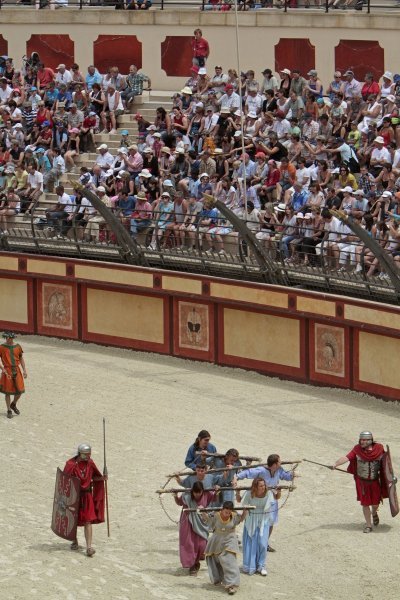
column 299, row 197
column 201, row 444
column 93, row 76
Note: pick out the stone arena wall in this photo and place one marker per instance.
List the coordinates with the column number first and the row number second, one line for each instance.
column 305, row 336
column 159, row 41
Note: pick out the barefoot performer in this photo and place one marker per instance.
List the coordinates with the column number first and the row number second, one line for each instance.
column 91, row 501
column 366, row 466
column 193, row 533
column 12, row 380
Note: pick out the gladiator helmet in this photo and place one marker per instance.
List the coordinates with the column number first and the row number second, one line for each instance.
column 84, row 448
column 366, row 435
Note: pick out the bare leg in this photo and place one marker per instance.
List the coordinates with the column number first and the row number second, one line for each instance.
column 88, row 536
column 8, row 401
column 367, row 515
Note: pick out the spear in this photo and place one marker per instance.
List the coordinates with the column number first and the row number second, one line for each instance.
column 219, row 470
column 105, row 473
column 219, row 455
column 326, row 466
column 217, row 508
column 222, row 489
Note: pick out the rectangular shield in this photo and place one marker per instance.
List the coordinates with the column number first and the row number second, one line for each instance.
column 66, row 506
column 390, row 482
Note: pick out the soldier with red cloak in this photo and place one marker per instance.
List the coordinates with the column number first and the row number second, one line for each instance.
column 91, row 501
column 365, row 463
column 11, row 377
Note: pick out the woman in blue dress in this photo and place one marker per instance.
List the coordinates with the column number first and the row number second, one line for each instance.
column 256, row 527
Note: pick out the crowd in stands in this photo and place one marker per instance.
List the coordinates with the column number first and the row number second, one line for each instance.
column 306, row 148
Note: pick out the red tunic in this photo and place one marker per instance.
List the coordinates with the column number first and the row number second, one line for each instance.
column 369, row 492
column 91, row 505
column 11, row 382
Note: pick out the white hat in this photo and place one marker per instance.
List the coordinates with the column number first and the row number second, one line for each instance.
column 165, row 193
column 199, row 105
column 147, row 150
column 286, row 71
column 179, row 151
column 218, row 151
column 103, row 147
column 122, row 150
column 204, row 175
column 379, row 140
column 281, row 207
column 157, row 134
column 101, row 188
column 238, row 113
column 387, row 194
column 388, row 75
column 151, row 128
column 252, row 115
column 237, row 134
column 359, row 193
column 145, row 173
column 17, row 126
column 308, row 216
column 186, row 90
column 60, row 66
column 347, row 188
column 202, row 71
column 168, row 183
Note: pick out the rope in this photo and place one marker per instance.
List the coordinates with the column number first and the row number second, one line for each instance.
column 162, row 504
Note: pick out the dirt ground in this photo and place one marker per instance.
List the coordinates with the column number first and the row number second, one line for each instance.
column 154, row 408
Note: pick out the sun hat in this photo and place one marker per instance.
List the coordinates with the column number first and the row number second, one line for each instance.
column 312, row 73
column 252, row 115
column 204, row 175
column 388, row 75
column 166, row 150
column 281, row 207
column 101, row 188
column 157, row 134
column 122, row 150
column 186, row 90
column 141, row 196
column 102, row 147
column 286, row 71
column 347, row 189
column 123, row 132
column 145, row 173
column 379, row 140
column 202, row 71
column 168, row 183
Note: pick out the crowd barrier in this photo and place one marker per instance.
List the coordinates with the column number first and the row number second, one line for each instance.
column 309, row 337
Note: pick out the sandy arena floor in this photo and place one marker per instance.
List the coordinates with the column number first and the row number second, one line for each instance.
column 154, row 408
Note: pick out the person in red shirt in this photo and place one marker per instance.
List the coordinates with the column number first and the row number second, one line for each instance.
column 200, row 48
column 44, row 76
column 91, row 501
column 370, row 87
column 366, row 465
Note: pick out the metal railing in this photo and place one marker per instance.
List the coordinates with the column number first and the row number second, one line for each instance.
column 214, row 249
column 205, row 5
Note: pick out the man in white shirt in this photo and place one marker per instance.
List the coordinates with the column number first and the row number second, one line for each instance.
column 329, row 247
column 105, row 159
column 351, row 87
column 5, row 91
column 62, row 76
column 218, row 82
column 59, row 217
column 281, row 126
column 379, row 156
column 34, row 189
column 230, row 99
column 253, row 101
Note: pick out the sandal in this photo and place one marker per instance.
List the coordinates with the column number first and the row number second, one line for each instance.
column 270, row 549
column 74, row 545
column 13, row 407
column 90, row 552
column 9, row 414
column 375, row 519
column 367, row 529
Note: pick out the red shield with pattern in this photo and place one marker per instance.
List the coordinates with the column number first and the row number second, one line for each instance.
column 66, row 506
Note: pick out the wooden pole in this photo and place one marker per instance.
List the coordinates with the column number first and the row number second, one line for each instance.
column 222, row 489
column 217, row 508
column 219, row 470
column 219, row 455
column 105, row 473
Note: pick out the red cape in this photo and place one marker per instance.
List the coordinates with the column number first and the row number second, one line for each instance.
column 72, row 468
column 376, row 453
